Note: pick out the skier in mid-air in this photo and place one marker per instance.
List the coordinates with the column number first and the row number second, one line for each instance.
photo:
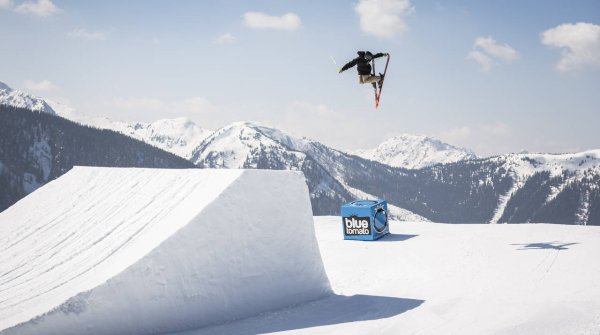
column 363, row 65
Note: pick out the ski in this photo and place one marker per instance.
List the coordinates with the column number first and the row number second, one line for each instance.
column 378, row 95
column 374, row 84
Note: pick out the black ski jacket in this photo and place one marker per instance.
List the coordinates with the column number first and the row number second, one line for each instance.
column 363, row 64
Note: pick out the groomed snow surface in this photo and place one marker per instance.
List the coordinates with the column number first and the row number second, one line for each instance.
column 147, row 251
column 139, row 251
column 432, row 278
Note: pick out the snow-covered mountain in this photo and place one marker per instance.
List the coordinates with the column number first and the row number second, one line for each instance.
column 496, row 189
column 414, row 152
column 562, row 188
column 16, row 98
column 247, row 145
column 179, row 136
column 252, row 145
column 508, row 188
column 542, row 178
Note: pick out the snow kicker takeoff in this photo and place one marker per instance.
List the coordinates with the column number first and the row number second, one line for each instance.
column 366, row 72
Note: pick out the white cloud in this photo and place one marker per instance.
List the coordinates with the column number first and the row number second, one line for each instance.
column 83, row 34
column 580, row 43
column 225, row 38
column 482, row 59
column 289, row 21
column 383, row 18
column 486, row 51
column 5, row 4
column 503, row 52
column 38, row 8
column 41, row 86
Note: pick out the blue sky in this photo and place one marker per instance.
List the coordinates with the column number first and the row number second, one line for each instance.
column 493, row 76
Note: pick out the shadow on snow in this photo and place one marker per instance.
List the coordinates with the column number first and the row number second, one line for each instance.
column 335, row 309
column 396, row 237
column 544, row 246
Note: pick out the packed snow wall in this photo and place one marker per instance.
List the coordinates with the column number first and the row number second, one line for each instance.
column 146, row 251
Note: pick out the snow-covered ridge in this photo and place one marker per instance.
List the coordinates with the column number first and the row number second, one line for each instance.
column 253, row 145
column 233, row 145
column 148, row 251
column 414, row 152
column 529, row 163
column 179, row 136
column 578, row 166
column 20, row 99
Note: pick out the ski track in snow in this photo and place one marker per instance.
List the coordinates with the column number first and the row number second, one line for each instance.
column 91, row 248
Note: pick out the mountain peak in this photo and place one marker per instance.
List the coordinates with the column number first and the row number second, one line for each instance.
column 3, row 86
column 414, row 152
column 19, row 99
column 245, row 124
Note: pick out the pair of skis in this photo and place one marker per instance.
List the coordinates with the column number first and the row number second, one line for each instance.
column 378, row 90
column 375, row 86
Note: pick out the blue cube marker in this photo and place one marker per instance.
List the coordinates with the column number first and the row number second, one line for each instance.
column 365, row 220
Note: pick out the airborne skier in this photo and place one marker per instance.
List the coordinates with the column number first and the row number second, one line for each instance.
column 366, row 73
column 363, row 65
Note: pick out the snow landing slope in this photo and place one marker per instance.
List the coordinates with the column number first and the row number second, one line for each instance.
column 145, row 251
column 432, row 279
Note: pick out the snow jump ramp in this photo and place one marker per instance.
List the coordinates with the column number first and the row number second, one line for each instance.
column 146, row 251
